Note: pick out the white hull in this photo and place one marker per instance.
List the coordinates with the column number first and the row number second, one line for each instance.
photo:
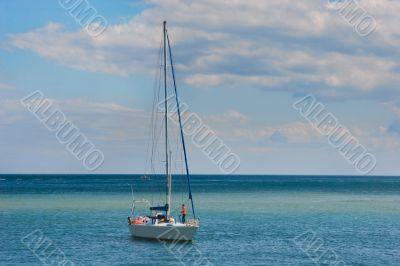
column 177, row 232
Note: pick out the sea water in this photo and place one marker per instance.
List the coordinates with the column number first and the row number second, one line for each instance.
column 245, row 220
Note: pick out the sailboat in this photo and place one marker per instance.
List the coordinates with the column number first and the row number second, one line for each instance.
column 159, row 223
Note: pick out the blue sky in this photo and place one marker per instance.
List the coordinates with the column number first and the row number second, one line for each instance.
column 240, row 66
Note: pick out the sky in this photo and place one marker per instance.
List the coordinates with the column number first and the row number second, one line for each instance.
column 240, row 67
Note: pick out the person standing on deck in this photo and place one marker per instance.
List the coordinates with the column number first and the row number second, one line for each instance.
column 183, row 212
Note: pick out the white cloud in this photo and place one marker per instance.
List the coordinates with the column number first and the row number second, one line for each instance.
column 296, row 132
column 268, row 139
column 395, row 108
column 231, row 116
column 5, row 86
column 297, row 46
column 258, row 149
column 105, row 121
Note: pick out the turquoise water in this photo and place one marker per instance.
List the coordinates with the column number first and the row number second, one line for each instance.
column 245, row 220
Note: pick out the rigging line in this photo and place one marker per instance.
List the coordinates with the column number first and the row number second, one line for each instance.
column 155, row 109
column 149, row 151
column 158, row 135
column 149, row 165
column 175, row 144
column 156, row 129
column 178, row 162
column 154, row 124
column 180, row 125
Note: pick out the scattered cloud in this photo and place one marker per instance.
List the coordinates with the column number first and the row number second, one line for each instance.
column 242, row 44
column 394, row 127
column 231, row 116
column 296, row 132
column 258, row 149
column 302, row 133
column 231, row 44
column 5, row 86
column 105, row 121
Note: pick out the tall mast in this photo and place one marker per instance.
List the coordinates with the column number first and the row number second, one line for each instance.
column 168, row 196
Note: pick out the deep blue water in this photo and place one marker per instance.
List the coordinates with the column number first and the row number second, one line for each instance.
column 245, row 220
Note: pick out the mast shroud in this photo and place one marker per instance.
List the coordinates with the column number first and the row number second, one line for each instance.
column 181, row 129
